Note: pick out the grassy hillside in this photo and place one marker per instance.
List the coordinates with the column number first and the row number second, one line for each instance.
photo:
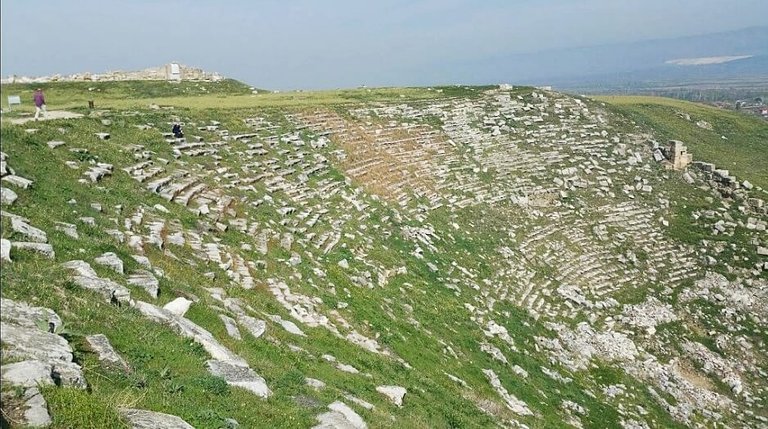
column 66, row 95
column 226, row 94
column 735, row 141
column 508, row 258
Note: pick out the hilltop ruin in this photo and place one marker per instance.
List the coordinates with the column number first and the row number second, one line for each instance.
column 172, row 71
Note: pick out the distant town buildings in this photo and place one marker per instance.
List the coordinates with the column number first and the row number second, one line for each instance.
column 171, row 72
column 756, row 106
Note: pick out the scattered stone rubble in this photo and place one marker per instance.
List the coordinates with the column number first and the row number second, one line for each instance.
column 42, row 357
column 590, row 214
column 224, row 364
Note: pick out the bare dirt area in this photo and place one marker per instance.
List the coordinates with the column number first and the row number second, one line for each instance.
column 52, row 114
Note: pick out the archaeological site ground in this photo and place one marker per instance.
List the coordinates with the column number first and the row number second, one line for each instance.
column 446, row 257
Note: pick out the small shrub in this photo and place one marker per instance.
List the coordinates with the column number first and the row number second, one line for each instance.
column 174, row 388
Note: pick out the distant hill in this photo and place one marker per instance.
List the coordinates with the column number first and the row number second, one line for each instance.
column 754, row 69
column 616, row 64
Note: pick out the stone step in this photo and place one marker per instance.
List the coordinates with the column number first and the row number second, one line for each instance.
column 155, row 185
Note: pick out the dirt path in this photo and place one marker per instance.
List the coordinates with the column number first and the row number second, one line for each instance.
column 52, row 114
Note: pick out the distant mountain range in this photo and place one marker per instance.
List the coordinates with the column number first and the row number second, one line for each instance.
column 618, row 65
column 754, row 69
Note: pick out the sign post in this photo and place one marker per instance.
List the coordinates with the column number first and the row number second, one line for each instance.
column 13, row 99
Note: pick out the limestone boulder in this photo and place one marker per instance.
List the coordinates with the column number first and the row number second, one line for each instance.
column 100, row 344
column 23, row 314
column 85, row 277
column 239, row 376
column 231, row 326
column 26, row 336
column 44, row 249
column 191, row 330
column 143, row 419
column 254, row 326
column 393, row 393
column 7, row 196
column 28, row 373
column 31, row 343
column 36, row 415
column 340, row 416
column 33, row 234
column 146, row 280
column 111, row 261
column 5, row 250
column 178, row 306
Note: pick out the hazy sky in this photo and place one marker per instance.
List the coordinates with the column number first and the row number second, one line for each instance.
column 285, row 44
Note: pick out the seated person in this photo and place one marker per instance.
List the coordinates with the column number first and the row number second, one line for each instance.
column 177, row 131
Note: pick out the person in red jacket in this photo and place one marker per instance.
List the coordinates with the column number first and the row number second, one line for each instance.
column 40, row 104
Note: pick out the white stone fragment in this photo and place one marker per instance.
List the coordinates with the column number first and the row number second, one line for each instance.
column 7, row 196
column 36, row 414
column 254, row 326
column 515, row 405
column 28, row 373
column 44, row 249
column 99, row 343
column 111, row 261
column 314, row 383
column 340, row 416
column 146, row 280
column 178, row 306
column 240, row 376
column 143, row 419
column 231, row 326
column 33, row 234
column 5, row 250
column 394, row 393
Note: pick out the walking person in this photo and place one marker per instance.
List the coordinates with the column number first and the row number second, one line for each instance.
column 40, row 104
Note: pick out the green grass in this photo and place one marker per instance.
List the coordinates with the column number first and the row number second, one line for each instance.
column 61, row 93
column 744, row 152
column 227, row 94
column 168, row 371
column 169, row 374
column 73, row 408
